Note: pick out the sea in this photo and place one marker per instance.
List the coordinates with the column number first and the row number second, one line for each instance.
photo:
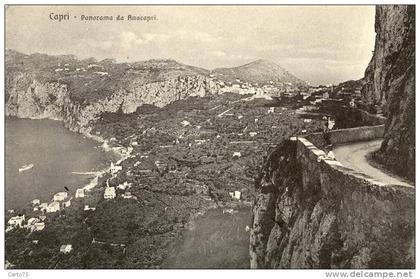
column 58, row 155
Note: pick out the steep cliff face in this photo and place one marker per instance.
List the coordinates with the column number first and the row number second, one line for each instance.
column 309, row 214
column 390, row 83
column 78, row 118
column 78, row 91
column 27, row 97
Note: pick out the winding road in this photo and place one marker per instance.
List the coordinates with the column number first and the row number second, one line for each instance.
column 353, row 156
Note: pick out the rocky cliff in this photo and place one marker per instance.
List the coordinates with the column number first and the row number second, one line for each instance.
column 26, row 97
column 390, row 83
column 310, row 213
column 78, row 117
column 69, row 90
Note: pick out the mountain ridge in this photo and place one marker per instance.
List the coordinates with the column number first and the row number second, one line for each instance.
column 259, row 71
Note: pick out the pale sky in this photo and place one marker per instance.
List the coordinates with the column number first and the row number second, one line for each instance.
column 320, row 44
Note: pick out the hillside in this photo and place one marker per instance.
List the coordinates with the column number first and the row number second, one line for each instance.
column 260, row 71
column 89, row 80
column 78, row 91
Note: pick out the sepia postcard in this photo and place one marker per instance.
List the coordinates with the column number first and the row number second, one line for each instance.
column 209, row 137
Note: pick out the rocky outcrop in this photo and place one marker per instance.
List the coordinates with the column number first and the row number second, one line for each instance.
column 312, row 213
column 78, row 91
column 26, row 97
column 29, row 98
column 127, row 100
column 390, row 83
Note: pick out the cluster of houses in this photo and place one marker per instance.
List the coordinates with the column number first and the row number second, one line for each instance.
column 110, row 192
column 238, row 86
column 59, row 201
column 32, row 224
column 54, row 206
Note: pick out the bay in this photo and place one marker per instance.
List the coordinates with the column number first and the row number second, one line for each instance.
column 55, row 153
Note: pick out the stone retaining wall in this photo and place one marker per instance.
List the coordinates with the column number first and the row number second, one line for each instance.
column 377, row 218
column 313, row 212
column 348, row 135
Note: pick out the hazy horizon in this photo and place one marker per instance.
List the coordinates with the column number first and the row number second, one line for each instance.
column 319, row 44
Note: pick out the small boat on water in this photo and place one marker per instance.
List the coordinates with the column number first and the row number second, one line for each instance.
column 26, row 167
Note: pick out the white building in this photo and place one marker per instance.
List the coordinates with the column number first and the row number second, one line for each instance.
column 237, row 154
column 185, row 123
column 16, row 221
column 127, row 195
column 66, row 248
column 124, row 186
column 331, row 124
column 53, row 207
column 253, row 134
column 80, row 193
column 229, row 211
column 87, row 208
column 8, row 265
column 43, row 206
column 67, row 203
column 61, row 196
column 270, row 110
column 199, row 142
column 237, row 195
column 36, row 202
column 109, row 193
column 115, row 168
column 38, row 226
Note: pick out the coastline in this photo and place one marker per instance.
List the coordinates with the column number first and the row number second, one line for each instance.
column 117, row 152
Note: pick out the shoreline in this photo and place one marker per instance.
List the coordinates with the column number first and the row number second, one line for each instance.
column 98, row 174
